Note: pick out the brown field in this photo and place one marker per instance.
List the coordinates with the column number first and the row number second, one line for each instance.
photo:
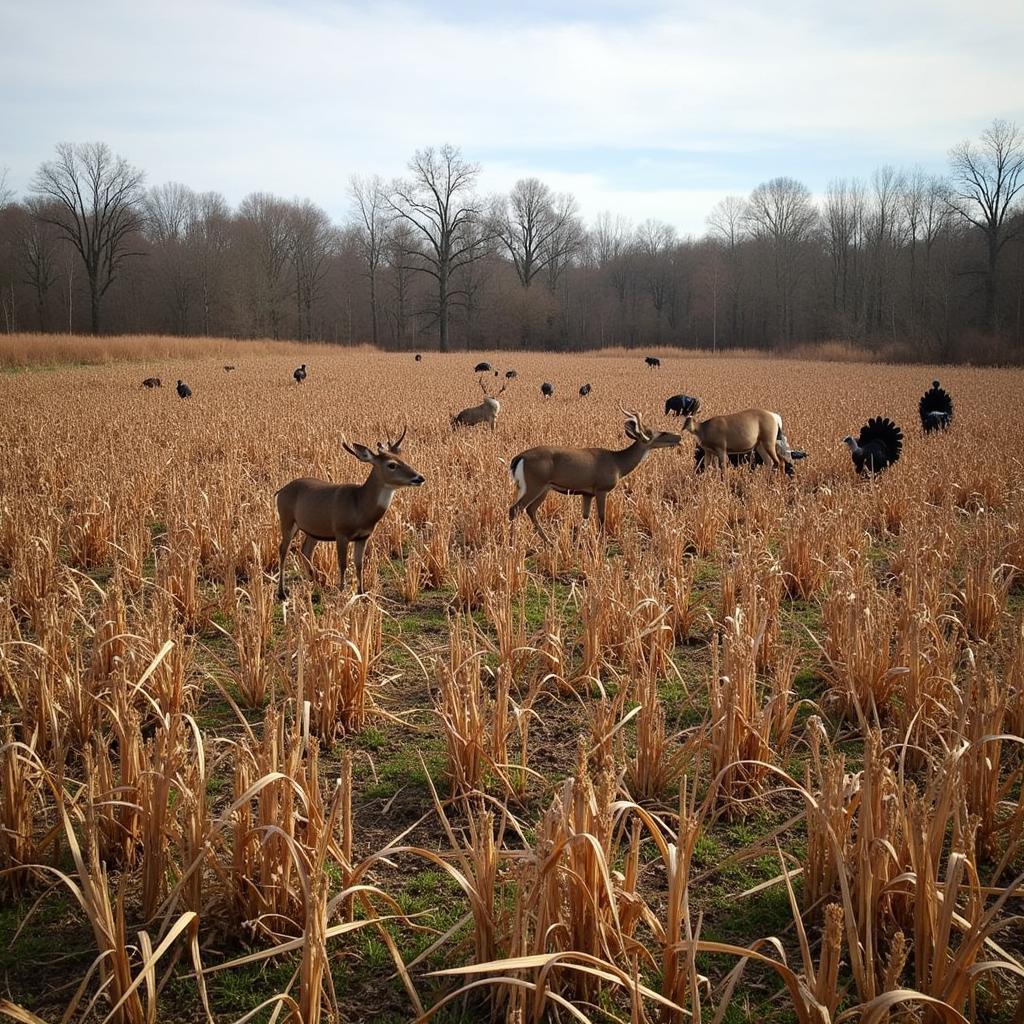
column 757, row 757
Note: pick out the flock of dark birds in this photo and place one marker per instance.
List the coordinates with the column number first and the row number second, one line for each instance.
column 878, row 445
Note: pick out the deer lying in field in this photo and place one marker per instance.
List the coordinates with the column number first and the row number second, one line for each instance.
column 589, row 472
column 486, row 412
column 343, row 513
column 753, row 430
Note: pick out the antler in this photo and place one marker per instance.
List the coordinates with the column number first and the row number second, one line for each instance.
column 635, row 416
column 483, row 386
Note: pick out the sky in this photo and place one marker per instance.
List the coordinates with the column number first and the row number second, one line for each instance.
column 642, row 108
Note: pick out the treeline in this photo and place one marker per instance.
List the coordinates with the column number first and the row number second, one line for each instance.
column 907, row 263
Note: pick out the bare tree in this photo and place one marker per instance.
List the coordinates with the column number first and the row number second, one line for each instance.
column 313, row 241
column 539, row 229
column 93, row 197
column 6, row 192
column 399, row 249
column 373, row 216
column 655, row 242
column 267, row 236
column 170, row 211
column 843, row 223
column 986, row 181
column 780, row 213
column 438, row 203
column 728, row 226
column 37, row 256
column 209, row 242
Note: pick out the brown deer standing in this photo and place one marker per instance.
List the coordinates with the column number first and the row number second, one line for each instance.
column 589, row 472
column 753, row 430
column 343, row 513
column 486, row 412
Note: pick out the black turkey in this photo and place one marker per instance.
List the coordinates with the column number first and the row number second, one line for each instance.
column 585, row 390
column 184, row 391
column 547, row 390
column 877, row 446
column 300, row 374
column 482, row 368
column 151, row 382
column 682, row 405
column 936, row 408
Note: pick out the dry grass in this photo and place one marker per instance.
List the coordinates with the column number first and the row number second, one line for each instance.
column 515, row 782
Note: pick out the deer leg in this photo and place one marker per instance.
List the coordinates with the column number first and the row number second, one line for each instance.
column 531, row 511
column 602, row 501
column 287, row 536
column 342, row 546
column 306, row 552
column 768, row 455
column 587, row 500
column 360, row 550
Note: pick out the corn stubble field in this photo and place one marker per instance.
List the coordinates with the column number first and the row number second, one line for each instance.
column 757, row 757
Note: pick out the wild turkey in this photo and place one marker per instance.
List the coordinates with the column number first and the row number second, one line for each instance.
column 228, row 369
column 511, row 375
column 482, row 368
column 936, row 408
column 585, row 390
column 652, row 362
column 184, row 391
column 547, row 390
column 300, row 374
column 419, row 358
column 877, row 446
column 151, row 382
column 682, row 405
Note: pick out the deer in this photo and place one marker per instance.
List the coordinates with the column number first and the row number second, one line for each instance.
column 756, row 430
column 344, row 513
column 591, row 473
column 486, row 412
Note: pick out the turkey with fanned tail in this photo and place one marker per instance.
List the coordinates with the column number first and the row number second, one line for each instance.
column 877, row 446
column 936, row 408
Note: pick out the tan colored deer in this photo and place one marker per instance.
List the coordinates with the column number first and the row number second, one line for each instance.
column 757, row 430
column 589, row 472
column 486, row 412
column 343, row 513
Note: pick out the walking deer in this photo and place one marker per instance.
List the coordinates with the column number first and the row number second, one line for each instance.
column 589, row 472
column 343, row 513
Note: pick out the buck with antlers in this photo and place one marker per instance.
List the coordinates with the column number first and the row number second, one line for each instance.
column 343, row 513
column 486, row 412
column 589, row 472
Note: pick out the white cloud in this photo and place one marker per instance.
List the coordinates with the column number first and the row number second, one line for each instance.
column 237, row 95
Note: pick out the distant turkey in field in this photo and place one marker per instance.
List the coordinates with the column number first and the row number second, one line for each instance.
column 877, row 446
column 936, row 408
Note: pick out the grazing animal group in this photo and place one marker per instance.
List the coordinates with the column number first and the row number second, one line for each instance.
column 348, row 513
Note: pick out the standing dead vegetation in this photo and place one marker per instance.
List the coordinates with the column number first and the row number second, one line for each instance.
column 754, row 754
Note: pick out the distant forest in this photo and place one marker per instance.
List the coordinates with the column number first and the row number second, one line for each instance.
column 905, row 264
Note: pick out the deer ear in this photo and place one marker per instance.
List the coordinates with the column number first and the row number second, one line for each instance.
column 360, row 451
